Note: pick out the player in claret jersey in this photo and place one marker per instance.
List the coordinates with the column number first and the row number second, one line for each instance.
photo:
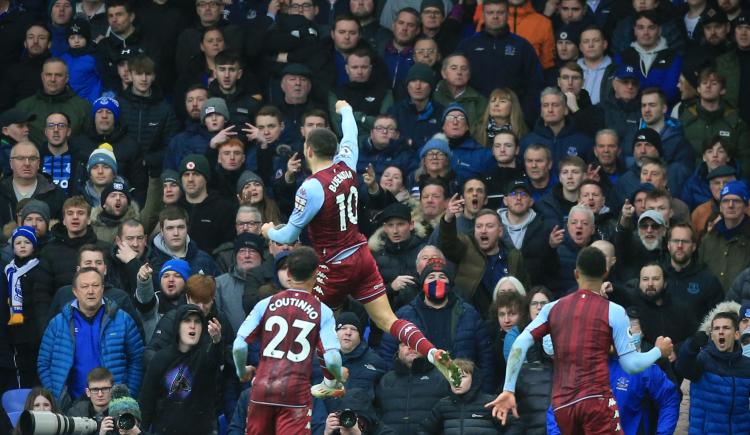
column 292, row 326
column 584, row 326
column 326, row 203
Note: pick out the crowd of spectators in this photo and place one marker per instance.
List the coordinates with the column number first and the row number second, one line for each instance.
column 143, row 144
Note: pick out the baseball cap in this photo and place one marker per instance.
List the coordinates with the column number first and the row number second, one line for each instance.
column 15, row 116
column 625, row 72
column 396, row 210
column 297, row 69
column 519, row 184
column 721, row 171
column 654, row 216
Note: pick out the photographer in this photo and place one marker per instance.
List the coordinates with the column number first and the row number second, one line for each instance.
column 124, row 417
column 356, row 416
column 98, row 395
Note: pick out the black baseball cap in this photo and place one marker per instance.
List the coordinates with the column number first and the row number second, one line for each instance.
column 15, row 116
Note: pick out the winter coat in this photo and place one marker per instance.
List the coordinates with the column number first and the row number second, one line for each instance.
column 623, row 36
column 554, row 208
column 726, row 258
column 121, row 350
column 40, row 104
column 470, row 99
column 21, row 79
column 505, row 60
column 739, row 291
column 151, row 122
column 701, row 125
column 676, row 149
column 470, row 261
column 628, row 245
column 83, row 70
column 46, row 191
column 211, row 221
column 729, row 65
column 112, row 48
column 105, row 225
column 619, row 115
column 469, row 337
column 696, row 190
column 193, row 140
column 470, row 159
column 570, row 141
column 628, row 182
column 560, row 266
column 230, row 287
column 13, row 25
column 536, row 28
column 463, row 414
column 694, row 288
column 668, row 319
column 198, row 259
column 720, row 384
column 126, row 150
column 405, row 396
column 31, row 330
column 396, row 259
column 241, row 104
column 416, row 127
column 533, row 391
column 190, row 408
column 664, row 72
column 366, row 368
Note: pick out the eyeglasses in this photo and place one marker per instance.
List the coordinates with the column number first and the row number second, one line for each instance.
column 380, row 129
column 303, row 6
column 647, row 225
column 101, row 390
column 248, row 223
column 539, row 304
column 58, row 126
column 25, row 159
column 454, row 118
column 681, row 241
column 731, row 201
column 435, row 155
column 521, row 193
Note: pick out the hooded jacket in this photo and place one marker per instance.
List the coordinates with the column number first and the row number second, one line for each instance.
column 84, row 71
column 720, row 384
column 536, row 28
column 535, row 241
column 417, row 127
column 188, row 404
column 397, row 153
column 199, row 260
column 41, row 104
column 468, row 336
column 726, row 256
column 396, row 259
column 121, row 350
column 701, row 125
column 694, row 288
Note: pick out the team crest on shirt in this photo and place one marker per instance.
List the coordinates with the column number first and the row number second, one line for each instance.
column 510, row 50
column 622, row 383
column 693, row 288
column 572, row 151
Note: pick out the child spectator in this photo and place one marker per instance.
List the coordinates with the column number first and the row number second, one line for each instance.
column 463, row 411
column 83, row 66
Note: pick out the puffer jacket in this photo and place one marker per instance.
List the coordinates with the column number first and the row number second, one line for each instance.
column 623, row 35
column 46, row 191
column 554, row 208
column 468, row 335
column 470, row 159
column 535, row 241
column 405, row 396
column 365, row 370
column 729, row 65
column 76, row 108
column 85, row 78
column 720, row 384
column 701, row 125
column 570, row 141
column 151, row 122
column 396, row 259
column 121, row 350
column 663, row 73
column 536, row 28
column 462, row 414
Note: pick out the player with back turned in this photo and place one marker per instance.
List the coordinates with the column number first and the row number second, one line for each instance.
column 584, row 326
column 292, row 326
column 326, row 203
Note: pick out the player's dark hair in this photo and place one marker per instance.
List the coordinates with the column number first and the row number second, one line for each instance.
column 323, row 142
column 591, row 263
column 733, row 317
column 303, row 263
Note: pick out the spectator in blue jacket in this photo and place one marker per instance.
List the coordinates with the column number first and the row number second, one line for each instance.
column 398, row 52
column 417, row 115
column 719, row 375
column 557, row 131
column 716, row 157
column 105, row 337
column 657, row 63
column 468, row 157
column 83, row 61
column 384, row 147
column 501, row 59
column 196, row 137
column 445, row 319
column 654, row 116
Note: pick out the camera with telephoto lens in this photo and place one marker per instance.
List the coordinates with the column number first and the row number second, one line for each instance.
column 125, row 421
column 347, row 418
column 49, row 423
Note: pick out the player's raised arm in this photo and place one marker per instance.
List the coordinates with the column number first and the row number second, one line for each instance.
column 348, row 151
column 307, row 203
column 245, row 334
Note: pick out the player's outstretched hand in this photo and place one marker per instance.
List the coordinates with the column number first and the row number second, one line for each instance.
column 266, row 228
column 665, row 346
column 249, row 370
column 505, row 402
column 340, row 104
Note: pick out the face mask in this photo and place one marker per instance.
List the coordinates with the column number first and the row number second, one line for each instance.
column 746, row 350
column 547, row 345
column 436, row 291
column 635, row 339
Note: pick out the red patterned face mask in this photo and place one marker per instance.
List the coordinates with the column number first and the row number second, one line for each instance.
column 436, row 291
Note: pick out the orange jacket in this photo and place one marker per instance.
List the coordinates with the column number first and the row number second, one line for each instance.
column 526, row 22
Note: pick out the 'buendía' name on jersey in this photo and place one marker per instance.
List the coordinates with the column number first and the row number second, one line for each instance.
column 338, row 179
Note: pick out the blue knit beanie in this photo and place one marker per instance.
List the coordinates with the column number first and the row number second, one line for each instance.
column 738, row 188
column 27, row 232
column 106, row 103
column 439, row 143
column 180, row 266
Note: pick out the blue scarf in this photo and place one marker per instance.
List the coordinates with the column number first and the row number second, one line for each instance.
column 13, row 275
